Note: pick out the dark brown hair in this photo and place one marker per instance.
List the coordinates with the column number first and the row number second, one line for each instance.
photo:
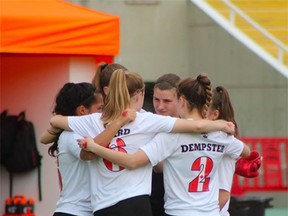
column 167, row 81
column 221, row 102
column 197, row 91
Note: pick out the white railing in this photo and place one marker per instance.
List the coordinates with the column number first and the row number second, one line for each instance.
column 229, row 26
column 279, row 44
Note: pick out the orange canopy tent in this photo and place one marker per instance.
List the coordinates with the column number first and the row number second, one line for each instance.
column 57, row 27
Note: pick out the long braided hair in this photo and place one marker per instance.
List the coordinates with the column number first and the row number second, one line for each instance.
column 198, row 92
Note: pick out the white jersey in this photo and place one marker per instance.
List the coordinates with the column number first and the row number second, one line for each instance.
column 226, row 173
column 74, row 177
column 111, row 183
column 190, row 163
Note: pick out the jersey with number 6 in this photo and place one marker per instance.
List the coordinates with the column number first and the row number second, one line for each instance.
column 190, row 171
column 111, row 183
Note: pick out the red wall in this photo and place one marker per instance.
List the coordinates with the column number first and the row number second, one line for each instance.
column 30, row 83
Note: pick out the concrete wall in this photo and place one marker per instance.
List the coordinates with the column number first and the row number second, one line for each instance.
column 259, row 93
column 154, row 38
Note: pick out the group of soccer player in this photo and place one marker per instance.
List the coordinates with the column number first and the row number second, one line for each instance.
column 114, row 158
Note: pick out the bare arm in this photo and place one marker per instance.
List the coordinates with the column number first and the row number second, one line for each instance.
column 224, row 196
column 201, row 126
column 50, row 135
column 59, row 121
column 105, row 137
column 158, row 168
column 246, row 151
column 129, row 161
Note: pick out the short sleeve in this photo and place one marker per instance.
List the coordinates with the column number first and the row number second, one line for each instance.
column 158, row 148
column 226, row 172
column 87, row 125
column 235, row 147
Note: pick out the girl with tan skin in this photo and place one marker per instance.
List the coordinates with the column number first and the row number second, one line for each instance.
column 119, row 191
column 72, row 99
column 51, row 134
column 100, row 101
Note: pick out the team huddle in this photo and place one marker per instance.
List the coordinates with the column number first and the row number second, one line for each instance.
column 117, row 159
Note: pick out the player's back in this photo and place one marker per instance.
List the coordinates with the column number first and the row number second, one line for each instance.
column 112, row 182
column 73, row 174
column 190, row 169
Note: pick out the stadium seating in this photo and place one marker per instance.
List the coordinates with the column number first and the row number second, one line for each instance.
column 272, row 15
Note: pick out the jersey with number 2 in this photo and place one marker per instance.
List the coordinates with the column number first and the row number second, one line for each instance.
column 190, row 171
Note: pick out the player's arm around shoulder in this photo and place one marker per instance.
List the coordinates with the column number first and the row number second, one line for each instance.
column 129, row 161
column 202, row 126
column 59, row 121
column 50, row 135
column 105, row 137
